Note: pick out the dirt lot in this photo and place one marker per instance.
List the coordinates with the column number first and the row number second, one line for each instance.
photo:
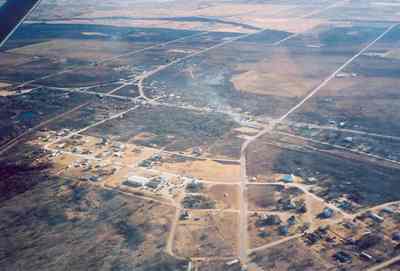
column 207, row 170
column 207, row 234
column 226, row 196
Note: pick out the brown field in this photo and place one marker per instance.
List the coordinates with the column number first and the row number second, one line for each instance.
column 87, row 50
column 291, row 255
column 226, row 196
column 134, row 154
column 288, row 81
column 208, row 170
column 207, row 235
column 265, row 197
column 260, row 159
column 365, row 95
column 229, row 146
column 234, row 12
column 158, row 23
column 297, row 25
column 244, row 75
column 5, row 93
column 4, row 85
column 117, row 178
column 63, row 161
column 356, row 101
column 261, row 15
column 67, row 165
column 79, row 225
column 13, row 60
column 193, row 9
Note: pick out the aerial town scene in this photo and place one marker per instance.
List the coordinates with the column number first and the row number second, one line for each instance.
column 202, row 135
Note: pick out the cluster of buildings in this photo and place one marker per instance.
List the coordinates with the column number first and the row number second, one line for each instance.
column 155, row 160
column 351, row 141
column 370, row 237
column 272, row 224
column 162, row 184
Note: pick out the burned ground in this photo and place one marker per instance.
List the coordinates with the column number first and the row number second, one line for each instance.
column 380, row 145
column 244, row 77
column 20, row 112
column 178, row 129
column 97, row 110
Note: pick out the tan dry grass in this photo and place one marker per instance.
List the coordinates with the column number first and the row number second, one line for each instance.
column 213, row 234
column 205, row 169
column 78, row 49
column 278, row 76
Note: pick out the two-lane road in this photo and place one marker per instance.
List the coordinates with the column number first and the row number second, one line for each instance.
column 12, row 14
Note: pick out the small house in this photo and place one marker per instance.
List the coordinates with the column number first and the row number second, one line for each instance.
column 326, row 213
column 288, row 178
